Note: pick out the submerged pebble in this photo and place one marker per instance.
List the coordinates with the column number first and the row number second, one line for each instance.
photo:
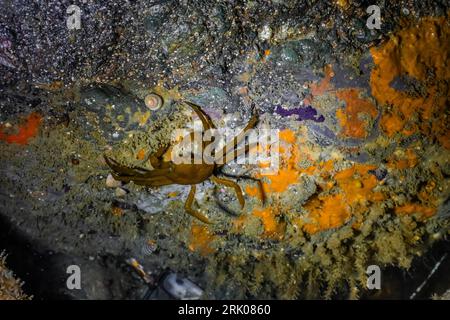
column 181, row 288
column 111, row 182
column 120, row 192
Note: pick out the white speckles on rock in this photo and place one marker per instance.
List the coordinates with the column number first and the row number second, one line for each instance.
column 265, row 33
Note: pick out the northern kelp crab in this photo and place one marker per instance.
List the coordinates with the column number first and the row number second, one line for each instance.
column 166, row 172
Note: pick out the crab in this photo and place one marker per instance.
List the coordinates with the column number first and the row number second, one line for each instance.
column 166, row 172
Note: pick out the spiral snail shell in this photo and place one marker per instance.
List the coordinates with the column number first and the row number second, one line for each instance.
column 153, row 101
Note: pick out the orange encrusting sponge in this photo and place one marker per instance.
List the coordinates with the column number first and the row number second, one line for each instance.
column 27, row 130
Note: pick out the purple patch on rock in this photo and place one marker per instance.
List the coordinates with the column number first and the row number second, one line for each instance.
column 302, row 113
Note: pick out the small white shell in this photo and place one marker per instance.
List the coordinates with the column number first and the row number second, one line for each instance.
column 153, row 101
column 111, row 182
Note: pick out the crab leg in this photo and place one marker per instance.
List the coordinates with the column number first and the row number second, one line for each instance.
column 206, row 121
column 155, row 160
column 237, row 140
column 188, row 206
column 151, row 182
column 144, row 181
column 258, row 181
column 261, row 190
column 233, row 185
column 204, row 118
column 140, row 176
column 128, row 171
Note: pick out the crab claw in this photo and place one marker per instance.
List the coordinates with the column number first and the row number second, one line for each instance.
column 140, row 176
column 123, row 170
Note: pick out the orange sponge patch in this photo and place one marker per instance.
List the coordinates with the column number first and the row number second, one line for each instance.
column 412, row 53
column 26, row 131
column 354, row 118
column 201, row 239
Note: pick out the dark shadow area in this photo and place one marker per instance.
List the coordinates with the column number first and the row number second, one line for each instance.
column 44, row 275
column 398, row 283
